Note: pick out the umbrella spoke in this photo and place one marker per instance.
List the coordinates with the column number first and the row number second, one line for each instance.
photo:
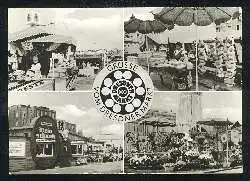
column 183, row 9
column 209, row 15
column 167, row 11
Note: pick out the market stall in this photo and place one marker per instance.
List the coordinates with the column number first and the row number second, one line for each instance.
column 202, row 16
column 90, row 62
column 36, row 42
column 154, row 57
column 27, row 72
column 220, row 64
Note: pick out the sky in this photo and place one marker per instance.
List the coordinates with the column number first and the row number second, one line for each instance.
column 179, row 33
column 76, row 108
column 214, row 104
column 92, row 28
column 95, row 28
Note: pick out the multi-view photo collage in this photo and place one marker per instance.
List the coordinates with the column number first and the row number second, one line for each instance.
column 125, row 90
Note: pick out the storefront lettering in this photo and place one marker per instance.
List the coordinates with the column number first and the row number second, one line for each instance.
column 45, row 136
column 45, row 133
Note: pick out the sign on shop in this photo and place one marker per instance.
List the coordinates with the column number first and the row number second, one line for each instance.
column 16, row 148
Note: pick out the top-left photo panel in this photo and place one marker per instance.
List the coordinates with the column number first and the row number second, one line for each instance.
column 61, row 49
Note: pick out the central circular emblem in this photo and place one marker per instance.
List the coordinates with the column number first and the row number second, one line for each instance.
column 123, row 91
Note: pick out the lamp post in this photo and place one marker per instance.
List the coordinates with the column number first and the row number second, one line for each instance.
column 227, row 144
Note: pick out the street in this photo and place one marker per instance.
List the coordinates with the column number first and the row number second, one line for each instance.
column 234, row 170
column 208, row 171
column 106, row 168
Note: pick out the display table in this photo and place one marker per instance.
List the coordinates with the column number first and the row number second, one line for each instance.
column 176, row 77
column 41, row 85
column 210, row 81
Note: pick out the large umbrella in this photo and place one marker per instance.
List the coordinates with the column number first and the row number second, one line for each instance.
column 200, row 16
column 145, row 27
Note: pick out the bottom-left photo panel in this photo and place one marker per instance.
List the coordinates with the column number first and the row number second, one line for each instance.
column 61, row 133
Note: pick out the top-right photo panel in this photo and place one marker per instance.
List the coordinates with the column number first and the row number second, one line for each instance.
column 186, row 48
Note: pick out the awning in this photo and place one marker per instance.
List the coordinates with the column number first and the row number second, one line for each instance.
column 29, row 33
column 56, row 39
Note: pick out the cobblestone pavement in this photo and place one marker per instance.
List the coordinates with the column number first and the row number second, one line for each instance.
column 106, row 168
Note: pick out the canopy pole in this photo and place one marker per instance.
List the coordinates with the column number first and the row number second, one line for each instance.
column 196, row 56
column 53, row 68
column 146, row 39
column 227, row 145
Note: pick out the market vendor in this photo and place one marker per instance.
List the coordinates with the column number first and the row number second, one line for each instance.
column 183, row 78
column 179, row 51
column 35, row 71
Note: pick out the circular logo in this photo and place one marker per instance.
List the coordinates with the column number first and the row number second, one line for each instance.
column 123, row 91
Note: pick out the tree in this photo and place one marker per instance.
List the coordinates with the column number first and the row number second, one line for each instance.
column 79, row 132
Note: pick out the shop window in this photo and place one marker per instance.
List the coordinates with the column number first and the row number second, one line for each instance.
column 77, row 149
column 44, row 149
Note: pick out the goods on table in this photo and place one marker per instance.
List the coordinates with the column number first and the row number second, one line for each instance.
column 24, row 85
column 17, row 75
column 219, row 59
column 202, row 58
column 146, row 161
column 230, row 63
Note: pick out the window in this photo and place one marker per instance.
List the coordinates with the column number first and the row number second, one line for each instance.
column 238, row 27
column 44, row 149
column 74, row 149
column 26, row 135
column 77, row 149
column 16, row 114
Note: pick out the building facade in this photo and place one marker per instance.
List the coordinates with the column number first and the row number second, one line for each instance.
column 22, row 115
column 189, row 111
column 230, row 28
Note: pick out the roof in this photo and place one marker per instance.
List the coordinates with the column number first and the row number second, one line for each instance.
column 215, row 122
column 80, row 137
column 107, row 137
column 156, row 38
column 159, row 118
column 236, row 125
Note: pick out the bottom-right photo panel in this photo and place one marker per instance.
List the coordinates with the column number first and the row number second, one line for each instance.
column 187, row 132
